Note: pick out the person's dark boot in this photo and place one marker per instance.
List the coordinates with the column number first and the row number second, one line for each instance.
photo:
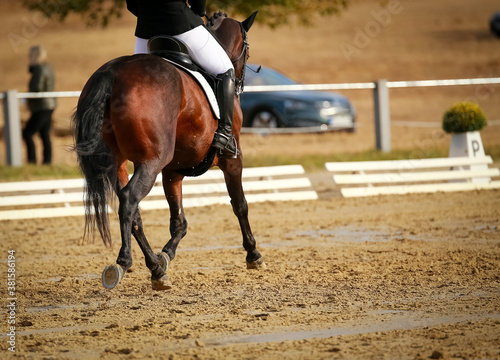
column 224, row 138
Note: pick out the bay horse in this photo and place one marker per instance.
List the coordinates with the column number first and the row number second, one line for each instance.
column 144, row 110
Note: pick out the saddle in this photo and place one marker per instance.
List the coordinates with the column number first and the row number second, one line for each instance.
column 176, row 52
column 170, row 48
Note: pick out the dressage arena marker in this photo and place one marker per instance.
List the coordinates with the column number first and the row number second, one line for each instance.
column 275, row 183
column 414, row 176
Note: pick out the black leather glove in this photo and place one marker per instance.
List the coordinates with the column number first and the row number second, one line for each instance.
column 198, row 6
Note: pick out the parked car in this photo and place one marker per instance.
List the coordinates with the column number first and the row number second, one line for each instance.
column 303, row 108
column 495, row 24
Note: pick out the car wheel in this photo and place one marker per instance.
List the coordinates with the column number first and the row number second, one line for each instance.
column 265, row 118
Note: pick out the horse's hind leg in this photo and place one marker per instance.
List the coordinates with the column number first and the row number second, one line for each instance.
column 172, row 186
column 232, row 169
column 157, row 264
column 129, row 196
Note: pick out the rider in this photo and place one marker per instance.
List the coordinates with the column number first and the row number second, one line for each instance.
column 177, row 19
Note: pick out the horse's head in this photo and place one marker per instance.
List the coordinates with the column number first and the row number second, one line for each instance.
column 232, row 35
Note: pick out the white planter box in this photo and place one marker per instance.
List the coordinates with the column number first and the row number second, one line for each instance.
column 469, row 144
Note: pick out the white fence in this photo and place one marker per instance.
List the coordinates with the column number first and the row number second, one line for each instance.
column 61, row 198
column 380, row 88
column 390, row 177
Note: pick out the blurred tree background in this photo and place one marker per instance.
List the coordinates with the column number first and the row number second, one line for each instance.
column 271, row 12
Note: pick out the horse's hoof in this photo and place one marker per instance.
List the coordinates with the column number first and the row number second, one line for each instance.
column 164, row 260
column 258, row 264
column 112, row 275
column 161, row 284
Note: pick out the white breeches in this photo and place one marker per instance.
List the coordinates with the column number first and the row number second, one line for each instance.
column 203, row 49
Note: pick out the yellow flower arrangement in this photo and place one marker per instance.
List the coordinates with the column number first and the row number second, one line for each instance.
column 463, row 117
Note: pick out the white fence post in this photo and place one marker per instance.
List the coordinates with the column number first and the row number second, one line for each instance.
column 12, row 128
column 382, row 116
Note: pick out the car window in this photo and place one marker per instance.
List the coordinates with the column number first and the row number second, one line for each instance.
column 266, row 76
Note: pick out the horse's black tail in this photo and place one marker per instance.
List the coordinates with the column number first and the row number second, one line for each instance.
column 94, row 157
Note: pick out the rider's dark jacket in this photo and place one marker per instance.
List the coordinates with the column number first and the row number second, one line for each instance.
column 166, row 17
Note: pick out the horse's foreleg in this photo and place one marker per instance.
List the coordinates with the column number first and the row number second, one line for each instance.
column 232, row 175
column 172, row 186
column 112, row 274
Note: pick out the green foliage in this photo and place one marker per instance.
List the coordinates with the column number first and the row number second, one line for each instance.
column 463, row 117
column 271, row 12
column 95, row 12
column 279, row 12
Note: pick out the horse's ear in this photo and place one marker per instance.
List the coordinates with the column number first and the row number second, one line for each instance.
column 247, row 24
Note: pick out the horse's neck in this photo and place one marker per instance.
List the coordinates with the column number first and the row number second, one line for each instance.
column 225, row 36
column 215, row 26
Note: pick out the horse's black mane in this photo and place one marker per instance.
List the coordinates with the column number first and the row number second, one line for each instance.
column 212, row 19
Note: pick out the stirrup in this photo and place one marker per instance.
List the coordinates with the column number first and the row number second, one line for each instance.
column 225, row 151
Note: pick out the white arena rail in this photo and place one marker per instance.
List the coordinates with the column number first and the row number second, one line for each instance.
column 380, row 89
column 59, row 198
column 397, row 177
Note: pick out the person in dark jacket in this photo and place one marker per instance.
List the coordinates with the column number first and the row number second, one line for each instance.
column 42, row 79
column 177, row 19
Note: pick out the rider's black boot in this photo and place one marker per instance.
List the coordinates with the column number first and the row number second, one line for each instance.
column 224, row 139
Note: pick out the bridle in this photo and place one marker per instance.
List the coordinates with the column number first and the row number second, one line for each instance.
column 240, row 81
